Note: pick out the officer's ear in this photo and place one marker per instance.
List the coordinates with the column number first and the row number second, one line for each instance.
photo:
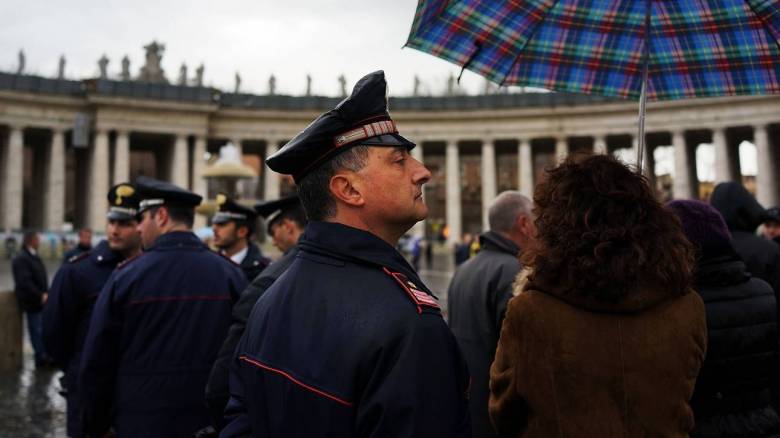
column 343, row 188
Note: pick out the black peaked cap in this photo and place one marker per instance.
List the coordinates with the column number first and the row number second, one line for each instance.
column 123, row 200
column 360, row 119
column 154, row 192
column 270, row 209
column 230, row 210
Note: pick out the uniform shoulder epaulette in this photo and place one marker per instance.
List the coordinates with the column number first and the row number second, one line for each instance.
column 80, row 256
column 419, row 297
column 126, row 262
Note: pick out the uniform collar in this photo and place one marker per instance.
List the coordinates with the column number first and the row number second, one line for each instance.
column 240, row 256
column 345, row 242
column 177, row 239
column 102, row 253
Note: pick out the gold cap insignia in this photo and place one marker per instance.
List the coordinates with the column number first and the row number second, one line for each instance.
column 221, row 199
column 122, row 192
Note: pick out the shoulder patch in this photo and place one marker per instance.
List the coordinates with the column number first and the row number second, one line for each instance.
column 124, row 263
column 80, row 256
column 418, row 296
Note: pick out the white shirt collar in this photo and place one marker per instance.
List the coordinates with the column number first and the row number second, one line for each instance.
column 240, row 256
column 32, row 250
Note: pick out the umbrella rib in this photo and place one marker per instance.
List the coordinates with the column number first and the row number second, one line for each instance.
column 530, row 37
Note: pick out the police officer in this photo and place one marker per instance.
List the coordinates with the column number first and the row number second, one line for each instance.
column 76, row 287
column 348, row 341
column 233, row 226
column 286, row 222
column 157, row 325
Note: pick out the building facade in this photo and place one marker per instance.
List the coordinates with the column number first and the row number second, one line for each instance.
column 64, row 142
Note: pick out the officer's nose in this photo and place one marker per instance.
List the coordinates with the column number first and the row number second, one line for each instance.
column 421, row 173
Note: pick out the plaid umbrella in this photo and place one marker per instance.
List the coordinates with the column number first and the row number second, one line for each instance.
column 654, row 49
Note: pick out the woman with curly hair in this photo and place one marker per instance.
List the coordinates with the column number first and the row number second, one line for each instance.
column 606, row 337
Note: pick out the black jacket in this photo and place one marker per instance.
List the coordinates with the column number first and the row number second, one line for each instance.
column 30, row 280
column 348, row 342
column 254, row 262
column 743, row 214
column 217, row 391
column 733, row 392
column 477, row 300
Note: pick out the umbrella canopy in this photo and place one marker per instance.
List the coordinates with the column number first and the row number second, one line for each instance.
column 690, row 48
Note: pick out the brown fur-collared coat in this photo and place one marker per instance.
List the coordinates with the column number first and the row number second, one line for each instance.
column 567, row 366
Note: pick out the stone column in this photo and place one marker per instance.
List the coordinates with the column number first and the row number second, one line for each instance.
column 198, row 182
column 122, row 157
column 723, row 169
column 271, row 180
column 452, row 170
column 54, row 194
column 488, row 179
column 561, row 149
column 600, row 144
column 684, row 186
column 419, row 228
column 526, row 163
column 767, row 181
column 14, row 182
column 179, row 162
column 98, row 182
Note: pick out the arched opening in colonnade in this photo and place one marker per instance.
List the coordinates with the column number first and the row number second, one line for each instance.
column 36, row 143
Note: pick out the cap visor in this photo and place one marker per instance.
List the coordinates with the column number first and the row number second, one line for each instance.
column 390, row 140
column 116, row 216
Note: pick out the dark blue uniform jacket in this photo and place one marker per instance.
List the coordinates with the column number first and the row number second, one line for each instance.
column 348, row 342
column 156, row 329
column 67, row 312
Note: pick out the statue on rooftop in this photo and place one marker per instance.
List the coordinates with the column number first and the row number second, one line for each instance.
column 451, row 85
column 199, row 75
column 272, row 85
column 183, row 75
column 152, row 71
column 308, row 85
column 238, row 83
column 61, row 68
column 20, row 67
column 343, row 85
column 103, row 65
column 125, row 75
column 416, row 88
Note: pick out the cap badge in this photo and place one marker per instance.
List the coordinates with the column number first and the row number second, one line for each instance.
column 221, row 199
column 123, row 191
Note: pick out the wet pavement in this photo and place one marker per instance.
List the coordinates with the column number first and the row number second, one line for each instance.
column 30, row 403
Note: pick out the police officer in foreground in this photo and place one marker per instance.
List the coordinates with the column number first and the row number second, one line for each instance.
column 157, row 325
column 233, row 226
column 76, row 287
column 348, row 341
column 286, row 222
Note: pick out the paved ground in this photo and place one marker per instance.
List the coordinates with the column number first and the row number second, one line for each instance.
column 30, row 405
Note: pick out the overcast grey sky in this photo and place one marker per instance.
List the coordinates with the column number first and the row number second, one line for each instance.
column 290, row 39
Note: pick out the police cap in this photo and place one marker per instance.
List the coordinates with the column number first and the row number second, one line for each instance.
column 360, row 119
column 155, row 192
column 123, row 200
column 230, row 210
column 773, row 215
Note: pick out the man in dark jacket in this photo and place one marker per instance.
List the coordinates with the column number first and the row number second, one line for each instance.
column 233, row 226
column 479, row 293
column 31, row 286
column 84, row 245
column 743, row 214
column 772, row 224
column 734, row 390
column 348, row 342
column 286, row 222
column 157, row 325
column 76, row 287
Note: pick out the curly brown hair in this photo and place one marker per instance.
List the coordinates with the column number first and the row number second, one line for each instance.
column 602, row 233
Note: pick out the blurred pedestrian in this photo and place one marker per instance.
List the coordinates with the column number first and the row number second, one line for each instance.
column 772, row 224
column 31, row 286
column 463, row 249
column 286, row 222
column 157, row 325
column 734, row 391
column 348, row 341
column 607, row 336
column 76, row 287
column 83, row 245
column 233, row 226
column 479, row 292
column 743, row 214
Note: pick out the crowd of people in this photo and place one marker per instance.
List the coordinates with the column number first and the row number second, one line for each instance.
column 590, row 310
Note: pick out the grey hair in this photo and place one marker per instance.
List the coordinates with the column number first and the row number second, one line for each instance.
column 505, row 209
column 314, row 189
